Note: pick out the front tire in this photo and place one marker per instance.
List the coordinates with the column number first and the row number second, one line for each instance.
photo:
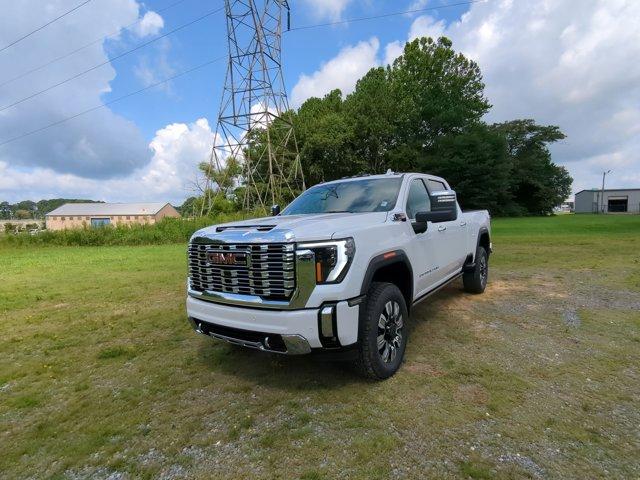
column 383, row 332
column 475, row 281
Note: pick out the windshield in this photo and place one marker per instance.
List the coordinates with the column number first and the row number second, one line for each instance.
column 354, row 196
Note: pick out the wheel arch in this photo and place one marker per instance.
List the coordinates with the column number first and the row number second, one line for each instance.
column 392, row 267
column 484, row 240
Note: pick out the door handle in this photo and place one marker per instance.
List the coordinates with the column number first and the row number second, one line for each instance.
column 463, row 224
column 442, row 228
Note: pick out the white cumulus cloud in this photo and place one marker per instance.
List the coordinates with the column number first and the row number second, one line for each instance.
column 343, row 71
column 176, row 150
column 562, row 64
column 99, row 145
column 150, row 24
column 575, row 67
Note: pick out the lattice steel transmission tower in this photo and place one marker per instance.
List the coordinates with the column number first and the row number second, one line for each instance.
column 254, row 126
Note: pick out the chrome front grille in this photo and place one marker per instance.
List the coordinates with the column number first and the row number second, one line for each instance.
column 264, row 270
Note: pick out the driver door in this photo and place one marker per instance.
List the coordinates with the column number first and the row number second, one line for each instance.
column 423, row 249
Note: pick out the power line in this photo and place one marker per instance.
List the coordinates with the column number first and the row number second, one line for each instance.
column 198, row 67
column 80, row 74
column 384, row 15
column 111, row 102
column 44, row 26
column 97, row 40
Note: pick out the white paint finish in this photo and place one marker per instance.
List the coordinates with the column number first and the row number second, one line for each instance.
column 295, row 322
column 435, row 256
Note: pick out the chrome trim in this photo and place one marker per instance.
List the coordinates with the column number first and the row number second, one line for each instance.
column 242, row 343
column 305, row 284
column 296, row 344
column 326, row 321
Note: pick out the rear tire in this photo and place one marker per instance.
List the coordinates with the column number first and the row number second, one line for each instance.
column 475, row 281
column 383, row 332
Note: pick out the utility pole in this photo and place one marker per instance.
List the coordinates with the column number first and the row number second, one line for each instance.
column 604, row 175
column 254, row 123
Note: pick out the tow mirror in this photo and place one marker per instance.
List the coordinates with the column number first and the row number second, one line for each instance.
column 275, row 210
column 444, row 208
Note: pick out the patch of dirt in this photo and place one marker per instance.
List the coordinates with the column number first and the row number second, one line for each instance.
column 87, row 473
column 523, row 462
column 571, row 318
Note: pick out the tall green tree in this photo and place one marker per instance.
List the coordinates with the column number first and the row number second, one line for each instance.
column 476, row 165
column 537, row 184
column 425, row 113
column 371, row 112
column 325, row 139
column 438, row 91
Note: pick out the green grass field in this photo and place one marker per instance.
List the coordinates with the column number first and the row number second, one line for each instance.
column 101, row 376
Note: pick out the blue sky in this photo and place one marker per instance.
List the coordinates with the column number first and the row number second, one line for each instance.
column 572, row 64
column 197, row 95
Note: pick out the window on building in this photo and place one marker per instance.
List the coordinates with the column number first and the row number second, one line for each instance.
column 128, row 217
column 100, row 222
column 62, row 218
column 418, row 200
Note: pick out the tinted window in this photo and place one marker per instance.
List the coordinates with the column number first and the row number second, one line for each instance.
column 355, row 196
column 435, row 186
column 418, row 200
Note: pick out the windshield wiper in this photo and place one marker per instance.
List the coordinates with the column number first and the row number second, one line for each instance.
column 338, row 211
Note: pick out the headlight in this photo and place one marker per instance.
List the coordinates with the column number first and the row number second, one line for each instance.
column 333, row 259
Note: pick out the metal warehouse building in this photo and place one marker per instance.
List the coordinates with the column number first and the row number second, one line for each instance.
column 78, row 215
column 608, row 201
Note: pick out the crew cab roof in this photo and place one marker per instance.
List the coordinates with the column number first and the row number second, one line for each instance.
column 381, row 176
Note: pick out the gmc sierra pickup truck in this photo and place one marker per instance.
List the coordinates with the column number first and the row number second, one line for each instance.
column 340, row 269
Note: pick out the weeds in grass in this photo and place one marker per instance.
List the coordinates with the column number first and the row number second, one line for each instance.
column 98, row 366
column 116, row 352
column 168, row 230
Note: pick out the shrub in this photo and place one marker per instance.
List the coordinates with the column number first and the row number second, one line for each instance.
column 168, row 230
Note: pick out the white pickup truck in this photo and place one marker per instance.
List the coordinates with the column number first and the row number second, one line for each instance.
column 340, row 269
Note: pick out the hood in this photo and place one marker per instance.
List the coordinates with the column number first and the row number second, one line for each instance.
column 293, row 228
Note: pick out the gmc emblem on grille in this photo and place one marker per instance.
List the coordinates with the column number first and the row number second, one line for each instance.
column 220, row 258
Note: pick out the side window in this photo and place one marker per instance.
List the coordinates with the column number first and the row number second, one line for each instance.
column 418, row 200
column 436, row 186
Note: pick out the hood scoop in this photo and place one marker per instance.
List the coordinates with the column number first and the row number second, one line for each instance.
column 258, row 228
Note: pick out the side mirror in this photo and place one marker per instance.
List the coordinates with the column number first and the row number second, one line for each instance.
column 420, row 225
column 445, row 204
column 444, row 208
column 275, row 210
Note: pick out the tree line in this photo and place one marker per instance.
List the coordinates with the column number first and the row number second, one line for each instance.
column 28, row 209
column 425, row 113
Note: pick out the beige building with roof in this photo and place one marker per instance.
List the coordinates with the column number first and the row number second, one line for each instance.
column 80, row 215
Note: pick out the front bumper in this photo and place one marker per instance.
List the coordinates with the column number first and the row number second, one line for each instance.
column 287, row 331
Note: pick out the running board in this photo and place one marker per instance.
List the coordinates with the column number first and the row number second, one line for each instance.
column 435, row 290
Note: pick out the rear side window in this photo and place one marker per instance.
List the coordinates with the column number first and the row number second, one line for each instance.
column 418, row 200
column 435, row 186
